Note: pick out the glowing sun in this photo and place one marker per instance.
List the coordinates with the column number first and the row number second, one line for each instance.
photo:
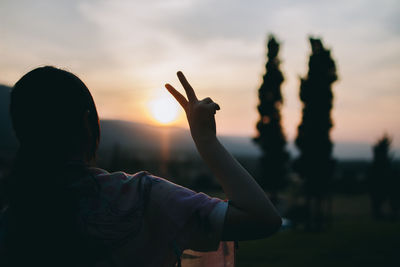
column 164, row 109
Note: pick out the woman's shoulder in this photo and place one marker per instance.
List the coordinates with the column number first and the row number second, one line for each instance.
column 119, row 187
column 102, row 175
column 122, row 188
column 123, row 179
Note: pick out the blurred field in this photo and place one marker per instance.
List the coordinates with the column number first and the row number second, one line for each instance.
column 353, row 240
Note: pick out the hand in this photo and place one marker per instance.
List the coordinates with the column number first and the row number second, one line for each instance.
column 199, row 113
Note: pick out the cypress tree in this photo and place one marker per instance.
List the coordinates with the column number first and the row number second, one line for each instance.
column 315, row 164
column 270, row 138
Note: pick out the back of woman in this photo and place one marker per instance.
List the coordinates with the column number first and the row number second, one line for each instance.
column 41, row 221
column 62, row 212
column 48, row 108
column 110, row 219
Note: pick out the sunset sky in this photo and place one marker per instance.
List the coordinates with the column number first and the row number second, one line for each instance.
column 125, row 51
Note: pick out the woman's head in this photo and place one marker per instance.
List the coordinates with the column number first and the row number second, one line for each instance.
column 53, row 112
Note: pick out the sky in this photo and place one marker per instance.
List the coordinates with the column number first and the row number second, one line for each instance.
column 125, row 51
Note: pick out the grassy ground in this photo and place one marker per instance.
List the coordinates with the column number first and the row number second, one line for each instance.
column 353, row 240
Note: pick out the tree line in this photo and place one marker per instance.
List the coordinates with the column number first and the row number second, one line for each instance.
column 315, row 164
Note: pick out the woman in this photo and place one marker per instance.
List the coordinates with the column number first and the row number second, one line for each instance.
column 63, row 212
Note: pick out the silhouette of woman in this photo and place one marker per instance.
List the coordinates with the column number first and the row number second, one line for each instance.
column 63, row 212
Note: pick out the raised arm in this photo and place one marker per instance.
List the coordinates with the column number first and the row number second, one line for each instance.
column 250, row 213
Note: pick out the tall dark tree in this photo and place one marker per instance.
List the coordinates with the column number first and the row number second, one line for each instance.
column 315, row 164
column 380, row 176
column 270, row 137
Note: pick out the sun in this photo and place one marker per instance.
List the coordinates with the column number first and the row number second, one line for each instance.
column 164, row 109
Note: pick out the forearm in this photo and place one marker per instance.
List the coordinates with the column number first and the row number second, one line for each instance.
column 250, row 214
column 239, row 186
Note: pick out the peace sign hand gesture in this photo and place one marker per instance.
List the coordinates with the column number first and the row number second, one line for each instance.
column 199, row 113
column 249, row 205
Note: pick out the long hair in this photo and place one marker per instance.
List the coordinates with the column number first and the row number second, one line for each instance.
column 55, row 120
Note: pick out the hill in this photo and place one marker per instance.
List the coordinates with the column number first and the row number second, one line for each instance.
column 144, row 139
column 150, row 140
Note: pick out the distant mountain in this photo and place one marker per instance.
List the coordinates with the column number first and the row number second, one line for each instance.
column 8, row 142
column 149, row 141
column 155, row 140
column 144, row 140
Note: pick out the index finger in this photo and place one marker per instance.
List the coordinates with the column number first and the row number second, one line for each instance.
column 188, row 88
column 178, row 96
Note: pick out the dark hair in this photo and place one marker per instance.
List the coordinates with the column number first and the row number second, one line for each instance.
column 47, row 108
column 55, row 119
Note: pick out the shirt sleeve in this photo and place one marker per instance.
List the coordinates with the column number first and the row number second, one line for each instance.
column 200, row 235
column 192, row 220
column 217, row 218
